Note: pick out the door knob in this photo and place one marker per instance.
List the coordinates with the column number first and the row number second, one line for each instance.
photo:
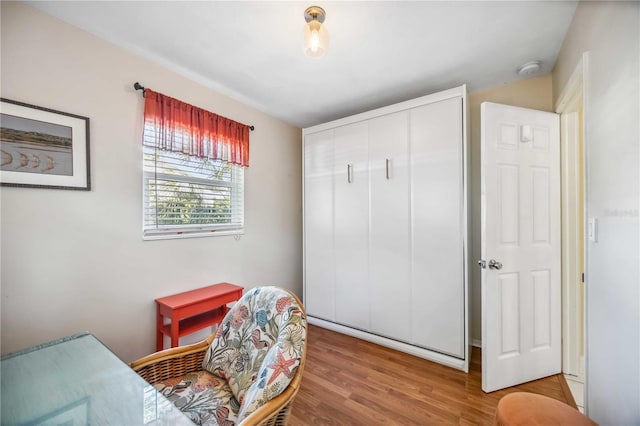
column 494, row 264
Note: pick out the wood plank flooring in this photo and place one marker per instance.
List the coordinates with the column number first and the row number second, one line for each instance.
column 348, row 381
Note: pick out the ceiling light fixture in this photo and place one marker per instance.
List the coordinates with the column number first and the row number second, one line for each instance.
column 316, row 37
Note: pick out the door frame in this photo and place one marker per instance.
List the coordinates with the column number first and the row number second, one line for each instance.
column 573, row 223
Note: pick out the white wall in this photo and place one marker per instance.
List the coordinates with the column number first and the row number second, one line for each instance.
column 535, row 93
column 610, row 31
column 74, row 260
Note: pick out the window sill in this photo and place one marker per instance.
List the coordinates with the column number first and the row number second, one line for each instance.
column 185, row 234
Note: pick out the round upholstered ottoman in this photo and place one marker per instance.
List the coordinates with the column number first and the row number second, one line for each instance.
column 523, row 408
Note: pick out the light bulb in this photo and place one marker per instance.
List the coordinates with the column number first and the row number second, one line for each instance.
column 316, row 39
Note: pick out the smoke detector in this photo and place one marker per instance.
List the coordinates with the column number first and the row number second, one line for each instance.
column 529, row 68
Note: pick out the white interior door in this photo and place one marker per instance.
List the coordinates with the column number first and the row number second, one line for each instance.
column 389, row 267
column 319, row 296
column 436, row 145
column 351, row 218
column 520, row 192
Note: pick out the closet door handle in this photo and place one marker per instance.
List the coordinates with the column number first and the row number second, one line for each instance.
column 387, row 164
column 349, row 172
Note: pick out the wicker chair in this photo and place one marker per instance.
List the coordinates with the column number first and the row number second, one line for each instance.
column 177, row 362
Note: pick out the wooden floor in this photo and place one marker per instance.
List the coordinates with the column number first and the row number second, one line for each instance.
column 348, row 381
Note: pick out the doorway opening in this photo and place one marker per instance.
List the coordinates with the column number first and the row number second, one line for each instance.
column 571, row 110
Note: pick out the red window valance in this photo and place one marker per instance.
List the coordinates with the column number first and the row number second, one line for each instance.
column 179, row 127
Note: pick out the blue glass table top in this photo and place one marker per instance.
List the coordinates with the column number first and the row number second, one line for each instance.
column 77, row 380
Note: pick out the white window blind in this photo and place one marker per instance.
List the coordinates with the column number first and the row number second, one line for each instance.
column 190, row 196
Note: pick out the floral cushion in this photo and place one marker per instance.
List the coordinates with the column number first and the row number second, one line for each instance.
column 258, row 346
column 203, row 397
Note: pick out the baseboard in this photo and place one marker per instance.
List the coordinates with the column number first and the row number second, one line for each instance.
column 449, row 361
column 476, row 343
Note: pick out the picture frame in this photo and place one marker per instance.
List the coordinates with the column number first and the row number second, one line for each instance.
column 43, row 148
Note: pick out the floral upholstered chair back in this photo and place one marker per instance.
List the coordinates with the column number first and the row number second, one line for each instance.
column 258, row 346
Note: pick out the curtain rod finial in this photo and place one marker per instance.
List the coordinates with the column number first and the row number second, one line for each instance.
column 138, row 86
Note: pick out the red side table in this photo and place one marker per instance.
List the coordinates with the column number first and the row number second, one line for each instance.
column 193, row 310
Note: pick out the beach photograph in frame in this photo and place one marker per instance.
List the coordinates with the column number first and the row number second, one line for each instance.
column 43, row 148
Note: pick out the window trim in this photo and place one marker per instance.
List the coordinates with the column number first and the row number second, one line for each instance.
column 152, row 235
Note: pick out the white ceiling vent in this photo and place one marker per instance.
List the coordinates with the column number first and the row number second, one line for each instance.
column 530, row 68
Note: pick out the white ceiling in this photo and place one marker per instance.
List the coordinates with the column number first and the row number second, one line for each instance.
column 380, row 52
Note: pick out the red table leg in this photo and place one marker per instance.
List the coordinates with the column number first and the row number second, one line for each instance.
column 174, row 332
column 159, row 335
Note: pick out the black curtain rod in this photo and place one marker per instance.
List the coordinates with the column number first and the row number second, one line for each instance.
column 138, row 86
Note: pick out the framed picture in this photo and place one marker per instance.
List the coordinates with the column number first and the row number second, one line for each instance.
column 43, row 148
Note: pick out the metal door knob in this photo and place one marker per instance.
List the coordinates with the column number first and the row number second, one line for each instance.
column 494, row 264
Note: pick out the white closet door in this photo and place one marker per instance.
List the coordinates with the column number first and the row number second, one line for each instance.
column 437, row 215
column 351, row 213
column 319, row 298
column 390, row 280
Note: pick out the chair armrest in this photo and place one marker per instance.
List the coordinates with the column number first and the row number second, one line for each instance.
column 277, row 411
column 173, row 362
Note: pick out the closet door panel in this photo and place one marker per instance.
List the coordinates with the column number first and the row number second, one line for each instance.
column 437, row 227
column 318, row 225
column 351, row 213
column 389, row 266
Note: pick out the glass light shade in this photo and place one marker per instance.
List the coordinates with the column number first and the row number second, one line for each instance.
column 316, row 39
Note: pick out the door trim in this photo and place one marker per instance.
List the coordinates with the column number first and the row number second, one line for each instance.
column 568, row 105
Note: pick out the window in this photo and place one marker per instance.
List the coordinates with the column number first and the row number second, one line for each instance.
column 186, row 195
column 192, row 182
